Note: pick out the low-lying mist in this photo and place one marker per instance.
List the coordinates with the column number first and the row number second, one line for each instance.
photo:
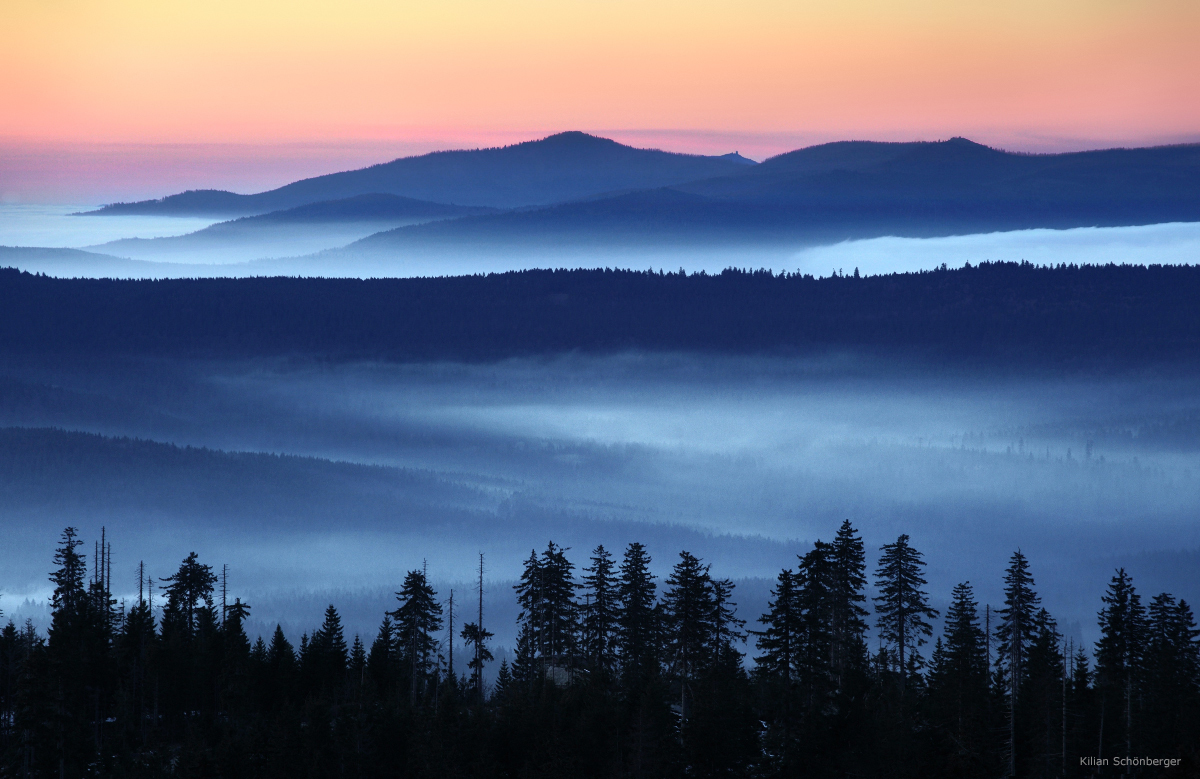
column 743, row 461
column 327, row 251
column 57, row 226
column 237, row 243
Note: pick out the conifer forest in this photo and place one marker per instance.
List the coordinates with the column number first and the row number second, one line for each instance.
column 616, row 673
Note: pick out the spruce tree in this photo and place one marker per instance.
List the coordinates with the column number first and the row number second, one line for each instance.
column 382, row 660
column 236, row 643
column 189, row 662
column 531, row 598
column 718, row 730
column 1120, row 650
column 1040, row 725
column 958, row 680
column 76, row 652
column 418, row 620
column 136, row 644
column 504, row 683
column 545, row 593
column 526, row 664
column 777, row 642
column 1171, row 675
column 1015, row 634
column 559, row 611
column 727, row 626
column 638, row 629
column 776, row 668
column 189, row 595
column 689, row 613
column 281, row 670
column 67, row 607
column 847, row 614
column 357, row 665
column 902, row 606
column 235, row 655
column 814, row 647
column 280, row 653
column 329, row 652
column 600, row 612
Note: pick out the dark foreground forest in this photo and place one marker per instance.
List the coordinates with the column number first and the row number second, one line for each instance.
column 615, row 674
column 992, row 311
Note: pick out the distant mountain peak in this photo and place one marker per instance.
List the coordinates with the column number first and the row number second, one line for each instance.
column 569, row 140
column 738, row 158
column 958, row 140
column 559, row 168
column 576, row 136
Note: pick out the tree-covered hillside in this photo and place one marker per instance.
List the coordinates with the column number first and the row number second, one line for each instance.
column 992, row 311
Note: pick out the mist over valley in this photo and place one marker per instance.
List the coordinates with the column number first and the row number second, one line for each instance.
column 319, row 482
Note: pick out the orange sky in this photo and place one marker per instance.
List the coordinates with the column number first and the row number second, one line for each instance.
column 303, row 70
column 707, row 75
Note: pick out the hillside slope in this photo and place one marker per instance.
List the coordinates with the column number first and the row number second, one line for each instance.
column 294, row 231
column 843, row 191
column 561, row 167
column 990, row 311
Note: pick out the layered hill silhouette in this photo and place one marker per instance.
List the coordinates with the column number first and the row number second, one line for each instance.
column 557, row 199
column 293, row 231
column 360, row 208
column 851, row 190
column 561, row 167
column 72, row 263
column 151, row 477
column 958, row 173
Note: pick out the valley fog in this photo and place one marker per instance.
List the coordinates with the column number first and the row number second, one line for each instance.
column 170, row 247
column 56, row 226
column 742, row 461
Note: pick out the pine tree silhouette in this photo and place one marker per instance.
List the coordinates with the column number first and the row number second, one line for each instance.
column 902, row 607
column 600, row 612
column 958, row 680
column 638, row 624
column 418, row 620
column 1121, row 650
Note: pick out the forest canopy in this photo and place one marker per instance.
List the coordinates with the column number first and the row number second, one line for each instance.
column 615, row 673
column 993, row 311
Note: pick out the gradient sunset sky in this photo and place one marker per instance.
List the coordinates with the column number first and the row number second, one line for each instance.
column 374, row 79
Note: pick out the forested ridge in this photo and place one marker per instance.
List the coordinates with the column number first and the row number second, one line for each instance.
column 615, row 674
column 990, row 311
column 559, row 167
column 858, row 187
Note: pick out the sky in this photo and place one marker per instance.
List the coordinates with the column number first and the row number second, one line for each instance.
column 252, row 92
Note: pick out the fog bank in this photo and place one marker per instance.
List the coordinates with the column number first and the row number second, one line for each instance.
column 273, row 251
column 743, row 461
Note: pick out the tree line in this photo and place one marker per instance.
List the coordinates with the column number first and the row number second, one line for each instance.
column 614, row 674
column 988, row 312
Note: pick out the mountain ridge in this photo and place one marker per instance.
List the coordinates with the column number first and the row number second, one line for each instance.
column 853, row 190
column 821, row 194
column 559, row 167
column 290, row 232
